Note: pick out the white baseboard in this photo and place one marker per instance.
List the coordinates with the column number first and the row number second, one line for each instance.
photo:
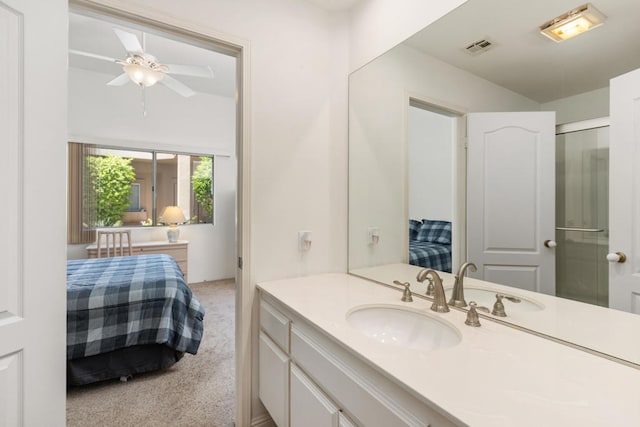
column 262, row 420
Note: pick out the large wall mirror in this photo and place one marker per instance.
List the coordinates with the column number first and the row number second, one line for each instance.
column 435, row 178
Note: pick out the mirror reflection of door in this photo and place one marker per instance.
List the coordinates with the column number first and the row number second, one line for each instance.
column 624, row 210
column 434, row 186
column 511, row 198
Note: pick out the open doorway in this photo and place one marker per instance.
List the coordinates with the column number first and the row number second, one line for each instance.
column 436, row 186
column 171, row 132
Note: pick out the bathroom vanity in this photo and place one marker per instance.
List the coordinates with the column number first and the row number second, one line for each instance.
column 324, row 361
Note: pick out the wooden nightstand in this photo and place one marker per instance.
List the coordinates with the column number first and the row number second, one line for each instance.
column 178, row 250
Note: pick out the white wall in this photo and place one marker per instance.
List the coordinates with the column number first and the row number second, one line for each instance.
column 584, row 106
column 379, row 96
column 430, row 139
column 202, row 124
column 378, row 25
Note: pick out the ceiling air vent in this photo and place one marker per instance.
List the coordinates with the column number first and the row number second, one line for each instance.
column 479, row 47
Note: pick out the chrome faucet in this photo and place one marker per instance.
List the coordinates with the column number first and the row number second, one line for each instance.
column 457, row 296
column 439, row 298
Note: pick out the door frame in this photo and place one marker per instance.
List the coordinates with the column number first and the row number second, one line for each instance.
column 459, row 172
column 569, row 127
column 240, row 49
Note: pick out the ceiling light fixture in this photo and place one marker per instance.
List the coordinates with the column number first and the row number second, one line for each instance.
column 577, row 21
column 142, row 75
column 143, row 69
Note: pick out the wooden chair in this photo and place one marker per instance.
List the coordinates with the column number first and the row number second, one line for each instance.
column 114, row 240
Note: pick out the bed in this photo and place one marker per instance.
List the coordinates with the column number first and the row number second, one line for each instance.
column 128, row 315
column 430, row 244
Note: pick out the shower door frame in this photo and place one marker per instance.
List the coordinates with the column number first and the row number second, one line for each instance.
column 571, row 127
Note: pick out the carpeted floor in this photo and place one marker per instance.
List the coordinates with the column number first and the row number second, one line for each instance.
column 197, row 391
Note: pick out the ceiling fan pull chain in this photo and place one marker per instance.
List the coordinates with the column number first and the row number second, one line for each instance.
column 144, row 102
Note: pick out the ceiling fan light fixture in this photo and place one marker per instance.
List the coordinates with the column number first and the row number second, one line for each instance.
column 142, row 75
column 577, row 21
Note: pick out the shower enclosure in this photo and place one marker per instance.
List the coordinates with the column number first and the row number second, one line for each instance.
column 582, row 212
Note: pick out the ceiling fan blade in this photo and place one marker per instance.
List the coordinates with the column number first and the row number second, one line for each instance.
column 92, row 55
column 129, row 41
column 177, row 86
column 190, row 70
column 121, row 80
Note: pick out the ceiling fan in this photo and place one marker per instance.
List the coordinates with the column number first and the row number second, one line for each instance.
column 144, row 69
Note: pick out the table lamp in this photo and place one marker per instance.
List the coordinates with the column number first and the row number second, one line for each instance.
column 173, row 216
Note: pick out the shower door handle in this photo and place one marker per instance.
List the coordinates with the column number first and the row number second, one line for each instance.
column 550, row 244
column 614, row 257
column 584, row 230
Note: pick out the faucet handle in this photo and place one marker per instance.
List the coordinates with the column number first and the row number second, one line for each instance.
column 498, row 307
column 472, row 314
column 406, row 294
column 431, row 289
column 512, row 298
column 422, row 276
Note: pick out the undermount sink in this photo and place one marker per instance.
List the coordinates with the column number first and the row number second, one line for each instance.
column 398, row 326
column 487, row 297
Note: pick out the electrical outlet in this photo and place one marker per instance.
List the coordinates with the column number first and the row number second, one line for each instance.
column 374, row 235
column 304, row 240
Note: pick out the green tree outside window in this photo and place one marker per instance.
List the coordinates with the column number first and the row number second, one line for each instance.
column 111, row 178
column 202, row 184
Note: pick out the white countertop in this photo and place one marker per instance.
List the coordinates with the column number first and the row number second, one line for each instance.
column 609, row 331
column 496, row 376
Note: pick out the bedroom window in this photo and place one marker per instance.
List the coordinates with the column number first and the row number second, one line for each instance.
column 116, row 187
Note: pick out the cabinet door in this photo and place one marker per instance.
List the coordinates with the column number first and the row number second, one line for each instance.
column 310, row 407
column 273, row 366
column 343, row 421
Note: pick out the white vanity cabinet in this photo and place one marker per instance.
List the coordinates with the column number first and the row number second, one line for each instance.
column 310, row 407
column 309, row 380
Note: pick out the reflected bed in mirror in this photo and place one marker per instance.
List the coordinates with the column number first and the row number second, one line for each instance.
column 528, row 203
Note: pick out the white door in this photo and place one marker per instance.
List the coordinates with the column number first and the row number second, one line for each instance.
column 624, row 191
column 511, row 198
column 33, row 81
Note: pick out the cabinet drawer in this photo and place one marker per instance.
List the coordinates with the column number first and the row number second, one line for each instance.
column 310, row 407
column 275, row 324
column 180, row 254
column 273, row 367
column 371, row 407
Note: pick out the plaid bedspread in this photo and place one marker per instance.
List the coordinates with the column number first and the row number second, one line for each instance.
column 125, row 301
column 430, row 255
